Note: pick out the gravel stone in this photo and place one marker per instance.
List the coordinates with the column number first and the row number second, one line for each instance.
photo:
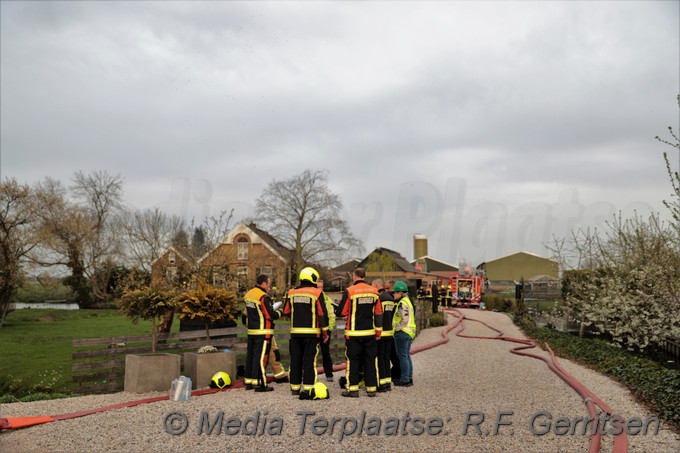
column 459, row 379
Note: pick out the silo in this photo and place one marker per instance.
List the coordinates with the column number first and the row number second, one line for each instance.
column 419, row 246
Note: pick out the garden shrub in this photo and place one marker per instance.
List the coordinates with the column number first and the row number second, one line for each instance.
column 498, row 302
column 437, row 320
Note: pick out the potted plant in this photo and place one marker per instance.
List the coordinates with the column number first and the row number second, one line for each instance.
column 148, row 304
column 154, row 372
column 208, row 304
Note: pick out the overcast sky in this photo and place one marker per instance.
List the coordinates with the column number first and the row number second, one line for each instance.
column 487, row 126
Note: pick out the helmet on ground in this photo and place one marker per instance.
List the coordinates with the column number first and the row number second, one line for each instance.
column 400, row 287
column 220, row 380
column 310, row 274
column 320, row 391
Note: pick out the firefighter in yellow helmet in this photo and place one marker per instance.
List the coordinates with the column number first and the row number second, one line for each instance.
column 306, row 307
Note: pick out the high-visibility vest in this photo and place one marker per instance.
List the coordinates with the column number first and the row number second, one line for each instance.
column 410, row 328
column 330, row 308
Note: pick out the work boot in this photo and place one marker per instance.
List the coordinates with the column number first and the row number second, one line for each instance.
column 304, row 395
column 264, row 388
column 372, row 394
column 295, row 392
column 383, row 388
column 329, row 378
column 248, row 386
column 349, row 394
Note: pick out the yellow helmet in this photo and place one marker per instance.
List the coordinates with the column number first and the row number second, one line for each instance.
column 310, row 274
column 320, row 391
column 220, row 380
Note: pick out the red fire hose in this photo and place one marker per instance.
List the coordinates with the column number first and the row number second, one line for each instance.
column 590, row 399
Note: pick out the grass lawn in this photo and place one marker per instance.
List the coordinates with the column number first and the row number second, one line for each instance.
column 541, row 305
column 36, row 345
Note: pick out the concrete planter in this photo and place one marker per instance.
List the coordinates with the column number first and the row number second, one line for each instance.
column 201, row 367
column 150, row 373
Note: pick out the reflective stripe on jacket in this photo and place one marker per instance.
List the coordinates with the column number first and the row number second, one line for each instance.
column 403, row 318
column 307, row 310
column 388, row 307
column 260, row 313
column 361, row 306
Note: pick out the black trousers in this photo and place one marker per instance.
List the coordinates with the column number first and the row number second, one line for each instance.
column 303, row 353
column 326, row 356
column 257, row 355
column 384, row 351
column 362, row 355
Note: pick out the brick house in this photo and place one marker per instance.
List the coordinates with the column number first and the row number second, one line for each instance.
column 390, row 265
column 245, row 253
column 170, row 268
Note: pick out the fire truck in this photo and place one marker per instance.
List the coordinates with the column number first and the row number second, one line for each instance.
column 467, row 287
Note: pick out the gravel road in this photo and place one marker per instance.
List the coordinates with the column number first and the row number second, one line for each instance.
column 462, row 379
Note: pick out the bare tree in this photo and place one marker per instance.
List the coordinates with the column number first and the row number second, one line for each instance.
column 18, row 237
column 146, row 234
column 204, row 237
column 77, row 233
column 579, row 251
column 304, row 215
column 674, row 204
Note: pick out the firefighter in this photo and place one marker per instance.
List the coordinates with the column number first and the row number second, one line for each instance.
column 280, row 374
column 428, row 292
column 404, row 332
column 442, row 291
column 386, row 338
column 308, row 323
column 326, row 346
column 260, row 316
column 360, row 305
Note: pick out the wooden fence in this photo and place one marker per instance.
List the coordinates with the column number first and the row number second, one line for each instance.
column 670, row 352
column 98, row 364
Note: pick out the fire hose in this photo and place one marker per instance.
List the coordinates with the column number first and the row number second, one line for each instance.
column 591, row 400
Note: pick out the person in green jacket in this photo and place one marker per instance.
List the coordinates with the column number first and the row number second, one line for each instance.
column 404, row 332
column 326, row 347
